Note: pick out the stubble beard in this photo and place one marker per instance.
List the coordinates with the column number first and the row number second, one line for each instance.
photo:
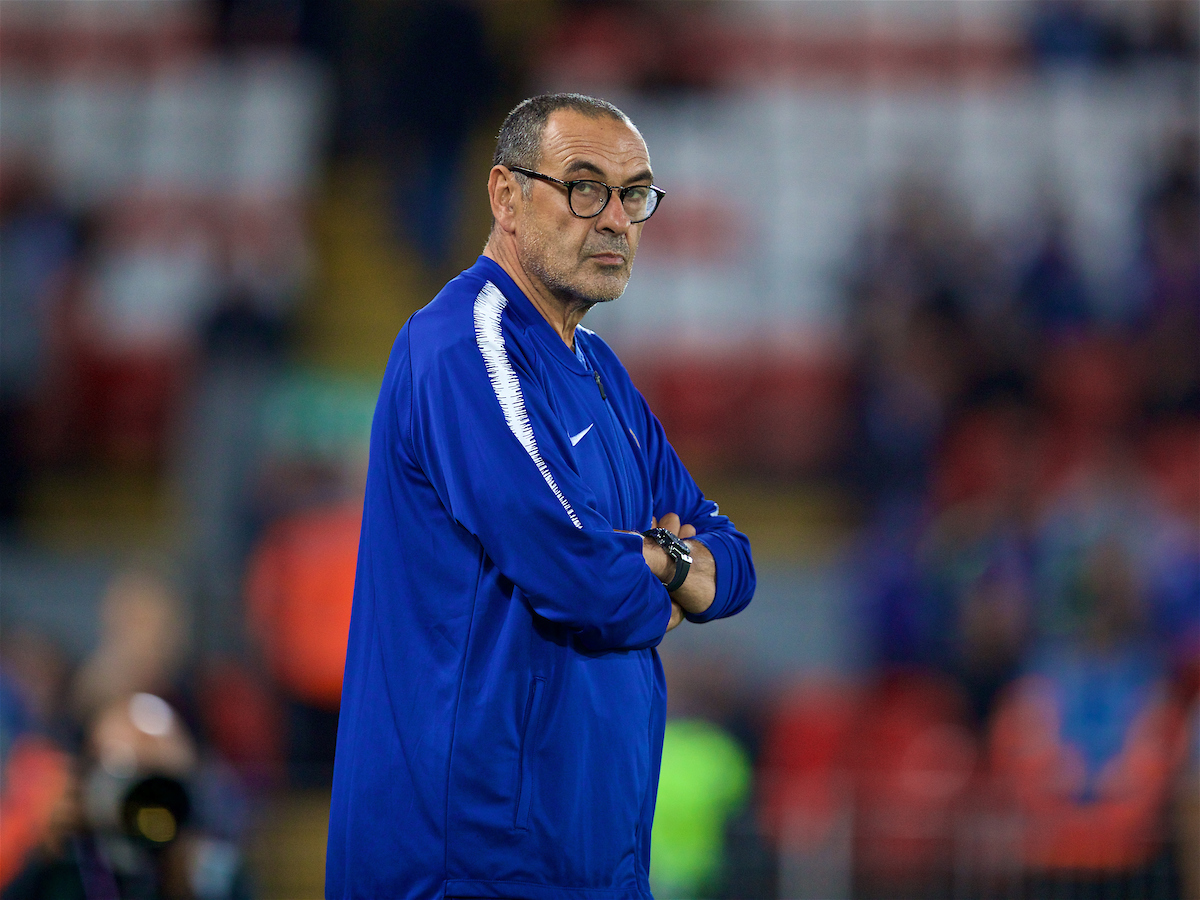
column 534, row 256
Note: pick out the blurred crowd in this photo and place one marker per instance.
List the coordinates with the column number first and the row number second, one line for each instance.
column 1027, row 450
column 1023, row 452
column 109, row 788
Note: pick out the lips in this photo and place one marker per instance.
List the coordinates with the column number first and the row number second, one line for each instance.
column 609, row 259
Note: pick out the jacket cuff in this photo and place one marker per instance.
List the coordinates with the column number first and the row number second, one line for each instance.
column 723, row 562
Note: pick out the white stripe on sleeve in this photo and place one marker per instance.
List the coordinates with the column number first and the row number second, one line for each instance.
column 488, row 307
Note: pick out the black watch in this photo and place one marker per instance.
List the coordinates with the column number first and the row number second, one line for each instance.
column 677, row 550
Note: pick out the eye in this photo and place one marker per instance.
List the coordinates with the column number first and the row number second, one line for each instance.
column 588, row 188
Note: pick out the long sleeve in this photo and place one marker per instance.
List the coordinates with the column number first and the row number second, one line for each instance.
column 486, row 436
column 676, row 491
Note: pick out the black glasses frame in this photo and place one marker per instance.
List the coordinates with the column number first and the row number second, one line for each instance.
column 570, row 186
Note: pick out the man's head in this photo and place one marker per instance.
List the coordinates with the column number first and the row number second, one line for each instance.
column 565, row 138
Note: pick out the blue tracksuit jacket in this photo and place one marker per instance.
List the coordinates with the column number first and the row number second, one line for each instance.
column 503, row 709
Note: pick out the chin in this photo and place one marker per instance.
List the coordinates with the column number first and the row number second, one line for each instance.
column 604, row 296
column 605, row 289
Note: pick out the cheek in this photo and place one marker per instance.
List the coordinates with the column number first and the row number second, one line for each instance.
column 634, row 237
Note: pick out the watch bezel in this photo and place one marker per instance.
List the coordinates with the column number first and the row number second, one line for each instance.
column 677, row 550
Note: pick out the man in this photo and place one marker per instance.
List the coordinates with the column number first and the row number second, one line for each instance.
column 503, row 706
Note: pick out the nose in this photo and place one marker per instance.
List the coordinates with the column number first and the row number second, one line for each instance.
column 613, row 217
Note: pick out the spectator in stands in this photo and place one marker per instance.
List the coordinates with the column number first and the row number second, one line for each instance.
column 1167, row 284
column 299, row 589
column 705, row 781
column 142, row 646
column 1052, row 295
column 37, row 242
column 1090, row 737
column 433, row 107
column 1090, row 734
column 909, row 308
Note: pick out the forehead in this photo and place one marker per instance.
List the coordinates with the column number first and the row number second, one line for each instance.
column 603, row 145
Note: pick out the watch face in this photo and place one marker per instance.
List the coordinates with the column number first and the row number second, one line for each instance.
column 673, row 545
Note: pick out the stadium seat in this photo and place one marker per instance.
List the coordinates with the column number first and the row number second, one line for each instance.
column 915, row 760
column 804, row 775
column 806, row 788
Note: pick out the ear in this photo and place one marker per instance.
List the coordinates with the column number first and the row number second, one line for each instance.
column 506, row 198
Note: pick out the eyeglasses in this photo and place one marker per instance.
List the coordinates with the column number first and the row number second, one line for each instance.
column 587, row 198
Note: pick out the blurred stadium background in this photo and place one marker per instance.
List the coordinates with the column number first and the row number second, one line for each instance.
column 921, row 311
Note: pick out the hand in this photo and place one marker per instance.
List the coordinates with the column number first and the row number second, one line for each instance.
column 700, row 588
column 671, row 522
column 676, row 615
column 656, row 557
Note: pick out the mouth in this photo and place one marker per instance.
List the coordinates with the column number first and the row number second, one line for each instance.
column 608, row 259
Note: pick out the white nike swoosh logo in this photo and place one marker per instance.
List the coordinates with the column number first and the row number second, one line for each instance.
column 576, row 438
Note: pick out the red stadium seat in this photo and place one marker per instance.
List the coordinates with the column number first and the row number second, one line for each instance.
column 805, row 771
column 1171, row 453
column 915, row 761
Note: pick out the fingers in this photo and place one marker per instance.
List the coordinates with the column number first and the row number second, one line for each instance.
column 670, row 521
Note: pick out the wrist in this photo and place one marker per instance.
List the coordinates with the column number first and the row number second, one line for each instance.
column 678, row 554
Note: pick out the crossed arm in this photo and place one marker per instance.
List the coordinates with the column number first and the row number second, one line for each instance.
column 697, row 592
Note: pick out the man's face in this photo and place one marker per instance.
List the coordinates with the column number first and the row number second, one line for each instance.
column 582, row 259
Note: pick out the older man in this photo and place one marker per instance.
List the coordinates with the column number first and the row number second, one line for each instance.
column 503, row 706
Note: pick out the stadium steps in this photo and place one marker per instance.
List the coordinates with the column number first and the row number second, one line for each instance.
column 367, row 283
column 102, row 509
column 287, row 857
column 785, row 522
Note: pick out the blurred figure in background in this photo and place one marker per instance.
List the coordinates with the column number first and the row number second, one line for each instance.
column 1166, row 285
column 140, row 824
column 37, row 245
column 136, row 807
column 142, row 648
column 433, row 109
column 299, row 590
column 38, row 790
column 1091, row 736
column 908, row 307
column 704, row 785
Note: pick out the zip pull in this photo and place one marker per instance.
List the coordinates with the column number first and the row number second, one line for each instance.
column 600, row 384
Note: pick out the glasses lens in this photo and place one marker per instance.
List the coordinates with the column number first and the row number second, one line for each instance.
column 588, row 198
column 639, row 203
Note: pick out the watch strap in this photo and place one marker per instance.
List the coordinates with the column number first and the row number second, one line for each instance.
column 682, row 566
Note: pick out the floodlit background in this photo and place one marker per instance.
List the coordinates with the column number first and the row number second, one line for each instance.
column 921, row 311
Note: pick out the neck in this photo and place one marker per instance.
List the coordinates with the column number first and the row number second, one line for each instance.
column 562, row 314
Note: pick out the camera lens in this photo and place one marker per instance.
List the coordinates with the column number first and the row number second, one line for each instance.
column 155, row 809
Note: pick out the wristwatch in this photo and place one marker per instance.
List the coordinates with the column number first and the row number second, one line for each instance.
column 677, row 550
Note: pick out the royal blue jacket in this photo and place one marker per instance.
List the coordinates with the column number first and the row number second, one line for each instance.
column 503, row 709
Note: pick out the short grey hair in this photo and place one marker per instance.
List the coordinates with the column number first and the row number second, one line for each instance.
column 520, row 140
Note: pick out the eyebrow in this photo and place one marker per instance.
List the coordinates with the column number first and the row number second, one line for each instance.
column 582, row 166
